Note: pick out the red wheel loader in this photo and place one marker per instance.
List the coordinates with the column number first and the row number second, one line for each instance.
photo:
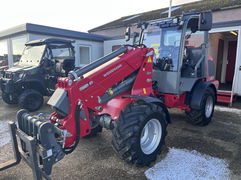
column 128, row 91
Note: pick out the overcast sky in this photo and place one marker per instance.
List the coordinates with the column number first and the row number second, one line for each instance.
column 80, row 15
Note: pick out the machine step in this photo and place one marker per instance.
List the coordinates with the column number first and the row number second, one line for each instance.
column 225, row 97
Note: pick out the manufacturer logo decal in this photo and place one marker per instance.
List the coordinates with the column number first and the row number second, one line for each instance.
column 112, row 70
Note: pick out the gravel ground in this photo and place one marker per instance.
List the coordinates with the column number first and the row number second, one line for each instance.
column 95, row 159
column 186, row 164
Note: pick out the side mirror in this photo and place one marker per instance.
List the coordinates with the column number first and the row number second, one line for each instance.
column 205, row 21
column 128, row 34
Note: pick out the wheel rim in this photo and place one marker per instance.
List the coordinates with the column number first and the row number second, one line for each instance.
column 209, row 106
column 151, row 136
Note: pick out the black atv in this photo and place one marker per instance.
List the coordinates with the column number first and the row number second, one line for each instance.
column 36, row 74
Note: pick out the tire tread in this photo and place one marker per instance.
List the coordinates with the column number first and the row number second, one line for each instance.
column 127, row 131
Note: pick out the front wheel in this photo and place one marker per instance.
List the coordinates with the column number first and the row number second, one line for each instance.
column 203, row 116
column 7, row 98
column 31, row 100
column 140, row 133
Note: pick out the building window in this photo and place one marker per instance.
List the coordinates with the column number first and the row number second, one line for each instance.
column 3, row 53
column 18, row 44
column 85, row 54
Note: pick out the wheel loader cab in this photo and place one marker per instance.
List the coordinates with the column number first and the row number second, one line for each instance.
column 181, row 54
column 170, row 39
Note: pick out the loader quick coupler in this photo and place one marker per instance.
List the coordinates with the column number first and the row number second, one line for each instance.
column 38, row 144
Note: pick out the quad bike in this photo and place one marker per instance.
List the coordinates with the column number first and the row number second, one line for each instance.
column 127, row 91
column 36, row 74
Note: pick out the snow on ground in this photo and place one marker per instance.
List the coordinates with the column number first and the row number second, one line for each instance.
column 182, row 164
column 226, row 109
column 4, row 133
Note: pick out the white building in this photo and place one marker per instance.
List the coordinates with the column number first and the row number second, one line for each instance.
column 88, row 47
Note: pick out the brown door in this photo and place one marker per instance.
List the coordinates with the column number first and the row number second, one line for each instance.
column 219, row 59
column 232, row 49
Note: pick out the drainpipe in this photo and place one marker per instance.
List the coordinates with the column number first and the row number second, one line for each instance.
column 170, row 9
column 10, row 53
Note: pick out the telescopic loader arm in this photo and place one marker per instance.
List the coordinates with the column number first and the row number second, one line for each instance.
column 90, row 96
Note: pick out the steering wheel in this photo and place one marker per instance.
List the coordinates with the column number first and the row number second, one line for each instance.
column 165, row 62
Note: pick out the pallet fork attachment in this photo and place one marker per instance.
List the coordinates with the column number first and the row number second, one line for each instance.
column 31, row 157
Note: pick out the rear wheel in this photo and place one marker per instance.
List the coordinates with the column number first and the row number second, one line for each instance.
column 31, row 100
column 8, row 99
column 140, row 133
column 203, row 116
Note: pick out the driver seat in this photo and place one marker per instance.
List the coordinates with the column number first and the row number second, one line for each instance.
column 193, row 57
column 68, row 65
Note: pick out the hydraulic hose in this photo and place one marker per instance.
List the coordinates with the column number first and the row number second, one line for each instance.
column 69, row 150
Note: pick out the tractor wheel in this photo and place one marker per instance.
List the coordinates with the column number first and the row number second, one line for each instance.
column 6, row 98
column 31, row 100
column 140, row 133
column 203, row 116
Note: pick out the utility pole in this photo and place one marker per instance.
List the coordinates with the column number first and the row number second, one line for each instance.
column 170, row 9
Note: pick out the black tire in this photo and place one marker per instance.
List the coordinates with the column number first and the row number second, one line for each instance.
column 127, row 133
column 31, row 100
column 6, row 98
column 200, row 117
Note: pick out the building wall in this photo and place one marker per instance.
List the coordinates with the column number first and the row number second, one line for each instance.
column 18, row 44
column 227, row 15
column 3, row 52
column 11, row 49
column 109, row 44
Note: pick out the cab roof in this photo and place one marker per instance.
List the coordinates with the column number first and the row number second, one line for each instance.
column 48, row 41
